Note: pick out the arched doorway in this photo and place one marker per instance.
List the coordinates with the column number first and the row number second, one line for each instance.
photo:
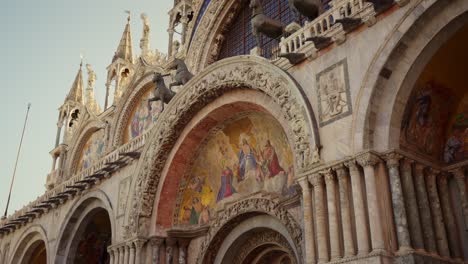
column 92, row 239
column 435, row 120
column 87, row 232
column 37, row 255
column 260, row 246
column 31, row 249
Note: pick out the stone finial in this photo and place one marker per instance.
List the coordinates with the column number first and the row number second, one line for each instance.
column 144, row 41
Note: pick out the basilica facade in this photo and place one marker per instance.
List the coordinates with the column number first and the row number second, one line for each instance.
column 342, row 139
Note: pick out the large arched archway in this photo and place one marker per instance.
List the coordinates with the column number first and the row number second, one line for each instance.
column 242, row 75
column 87, row 231
column 32, row 248
column 390, row 79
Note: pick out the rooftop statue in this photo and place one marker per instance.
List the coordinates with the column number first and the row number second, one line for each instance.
column 308, row 8
column 261, row 24
column 91, row 76
column 161, row 92
column 144, row 42
column 183, row 75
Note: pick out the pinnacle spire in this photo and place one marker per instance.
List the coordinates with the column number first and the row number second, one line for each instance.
column 125, row 49
column 91, row 102
column 76, row 91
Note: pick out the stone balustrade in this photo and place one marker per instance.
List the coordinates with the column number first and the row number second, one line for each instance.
column 326, row 24
column 347, row 207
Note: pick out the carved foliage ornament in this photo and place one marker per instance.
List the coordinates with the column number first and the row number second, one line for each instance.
column 235, row 73
column 227, row 220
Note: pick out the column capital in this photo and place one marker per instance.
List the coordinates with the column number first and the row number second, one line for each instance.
column 419, row 167
column 304, row 183
column 341, row 172
column 130, row 244
column 368, row 159
column 183, row 242
column 316, row 179
column 328, row 175
column 156, row 241
column 393, row 159
column 443, row 178
column 352, row 165
column 139, row 243
column 458, row 173
column 431, row 172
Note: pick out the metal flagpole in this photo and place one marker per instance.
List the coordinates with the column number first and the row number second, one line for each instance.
column 16, row 163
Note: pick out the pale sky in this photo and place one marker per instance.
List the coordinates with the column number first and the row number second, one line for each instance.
column 40, row 45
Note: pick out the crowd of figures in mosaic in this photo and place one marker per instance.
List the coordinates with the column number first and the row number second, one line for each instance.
column 272, row 131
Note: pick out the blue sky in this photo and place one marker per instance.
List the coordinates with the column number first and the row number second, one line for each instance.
column 40, row 42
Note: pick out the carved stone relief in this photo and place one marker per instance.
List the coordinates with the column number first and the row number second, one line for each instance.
column 124, row 188
column 333, row 93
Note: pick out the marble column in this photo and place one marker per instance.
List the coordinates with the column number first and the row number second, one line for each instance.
column 126, row 253
column 308, row 221
column 459, row 176
column 412, row 205
column 155, row 244
column 183, row 244
column 110, row 250
column 434, row 202
column 399, row 211
column 131, row 249
column 359, row 209
column 449, row 217
column 170, row 252
column 121, row 254
column 333, row 221
column 368, row 162
column 139, row 243
column 343, row 185
column 424, row 209
column 321, row 218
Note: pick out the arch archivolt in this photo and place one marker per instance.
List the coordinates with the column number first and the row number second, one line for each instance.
column 246, row 215
column 76, row 218
column 239, row 73
column 30, row 238
column 75, row 150
column 207, row 40
column 126, row 106
column 382, row 100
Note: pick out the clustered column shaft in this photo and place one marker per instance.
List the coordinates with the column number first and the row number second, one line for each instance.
column 308, row 221
column 321, row 218
column 332, row 215
column 346, row 219
column 368, row 161
column 424, row 209
column 359, row 209
column 399, row 211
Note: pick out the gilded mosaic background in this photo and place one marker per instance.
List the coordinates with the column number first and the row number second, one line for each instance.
column 143, row 116
column 245, row 156
column 93, row 150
